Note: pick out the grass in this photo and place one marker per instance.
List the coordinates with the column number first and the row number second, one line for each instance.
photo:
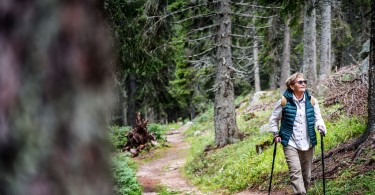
column 123, row 168
column 238, row 166
column 163, row 190
column 124, row 179
column 347, row 183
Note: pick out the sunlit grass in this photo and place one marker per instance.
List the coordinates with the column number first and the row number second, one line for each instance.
column 347, row 183
column 237, row 166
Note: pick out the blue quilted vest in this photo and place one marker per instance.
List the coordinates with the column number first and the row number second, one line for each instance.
column 289, row 114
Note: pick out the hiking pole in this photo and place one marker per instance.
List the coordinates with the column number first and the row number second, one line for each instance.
column 273, row 163
column 322, row 146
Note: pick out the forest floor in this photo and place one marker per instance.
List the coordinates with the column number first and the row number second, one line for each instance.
column 163, row 168
column 343, row 157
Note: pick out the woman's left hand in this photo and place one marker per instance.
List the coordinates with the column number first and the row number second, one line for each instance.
column 321, row 130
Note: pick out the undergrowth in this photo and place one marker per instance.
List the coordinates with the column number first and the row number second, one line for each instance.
column 348, row 182
column 238, row 166
column 124, row 179
column 123, row 168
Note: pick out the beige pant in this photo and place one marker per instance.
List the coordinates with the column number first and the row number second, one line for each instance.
column 299, row 163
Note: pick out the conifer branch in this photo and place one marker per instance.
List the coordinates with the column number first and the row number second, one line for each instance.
column 200, row 39
column 194, row 17
column 252, row 27
column 239, row 47
column 242, row 36
column 196, row 61
column 237, row 71
column 242, row 58
column 252, row 16
column 202, row 28
column 252, row 5
column 202, row 53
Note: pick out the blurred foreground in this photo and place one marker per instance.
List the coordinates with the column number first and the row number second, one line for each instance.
column 55, row 95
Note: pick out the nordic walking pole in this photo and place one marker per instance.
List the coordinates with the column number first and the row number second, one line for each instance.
column 322, row 146
column 273, row 163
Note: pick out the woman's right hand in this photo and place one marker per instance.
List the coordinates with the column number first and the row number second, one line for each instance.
column 277, row 139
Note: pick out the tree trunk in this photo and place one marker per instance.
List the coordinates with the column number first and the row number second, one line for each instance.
column 285, row 66
column 55, row 94
column 309, row 41
column 256, row 64
column 150, row 115
column 226, row 130
column 192, row 110
column 273, row 75
column 131, row 101
column 256, row 55
column 371, row 90
column 125, row 101
column 325, row 53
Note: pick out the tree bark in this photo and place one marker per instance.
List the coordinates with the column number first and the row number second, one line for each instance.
column 309, row 41
column 325, row 53
column 131, row 100
column 55, row 94
column 226, row 130
column 256, row 55
column 125, row 101
column 371, row 90
column 274, row 75
column 285, row 66
column 256, row 64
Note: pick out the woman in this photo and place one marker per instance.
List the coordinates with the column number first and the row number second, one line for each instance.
column 299, row 114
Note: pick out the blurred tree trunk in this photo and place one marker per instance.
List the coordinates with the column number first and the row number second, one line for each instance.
column 285, row 66
column 55, row 98
column 226, row 130
column 309, row 44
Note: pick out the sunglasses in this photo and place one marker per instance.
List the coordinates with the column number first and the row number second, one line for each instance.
column 301, row 82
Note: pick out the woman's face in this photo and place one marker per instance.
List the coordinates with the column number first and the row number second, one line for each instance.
column 299, row 85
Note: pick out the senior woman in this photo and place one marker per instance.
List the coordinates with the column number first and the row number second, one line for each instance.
column 299, row 114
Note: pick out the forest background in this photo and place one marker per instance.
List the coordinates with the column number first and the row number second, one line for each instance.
column 176, row 61
column 181, row 59
column 168, row 51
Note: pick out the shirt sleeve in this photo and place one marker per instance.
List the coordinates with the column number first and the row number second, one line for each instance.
column 318, row 117
column 275, row 118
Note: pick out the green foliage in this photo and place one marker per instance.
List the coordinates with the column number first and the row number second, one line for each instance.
column 342, row 129
column 125, row 181
column 238, row 166
column 158, row 131
column 144, row 59
column 343, row 36
column 206, row 116
column 162, row 190
column 117, row 136
column 347, row 183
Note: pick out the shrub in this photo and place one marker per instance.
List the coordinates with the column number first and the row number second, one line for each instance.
column 117, row 136
column 124, row 178
column 157, row 130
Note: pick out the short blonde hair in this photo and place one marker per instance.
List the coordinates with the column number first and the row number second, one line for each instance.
column 291, row 80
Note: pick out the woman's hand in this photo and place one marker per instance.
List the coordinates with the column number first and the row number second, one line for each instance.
column 277, row 139
column 321, row 130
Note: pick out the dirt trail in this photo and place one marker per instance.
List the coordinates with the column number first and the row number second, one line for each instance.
column 166, row 170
